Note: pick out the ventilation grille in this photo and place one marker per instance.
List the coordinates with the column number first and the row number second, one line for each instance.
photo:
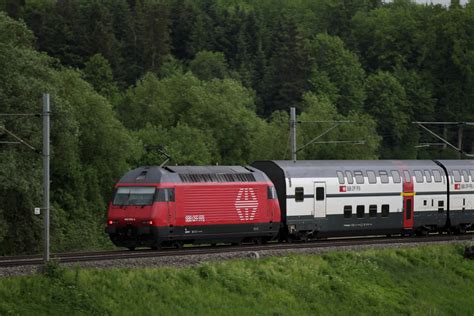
column 217, row 177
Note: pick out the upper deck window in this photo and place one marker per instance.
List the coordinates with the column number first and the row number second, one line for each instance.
column 359, row 177
column 340, row 176
column 371, row 176
column 350, row 180
column 428, row 176
column 437, row 175
column 134, row 196
column 457, row 175
column 465, row 175
column 419, row 176
column 396, row 176
column 407, row 176
column 383, row 176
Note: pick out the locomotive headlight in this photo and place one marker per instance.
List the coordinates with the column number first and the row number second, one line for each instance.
column 112, row 222
column 148, row 222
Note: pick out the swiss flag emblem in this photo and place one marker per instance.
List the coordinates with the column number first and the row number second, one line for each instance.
column 342, row 188
column 457, row 186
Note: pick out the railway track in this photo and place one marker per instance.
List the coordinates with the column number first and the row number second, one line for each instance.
column 29, row 260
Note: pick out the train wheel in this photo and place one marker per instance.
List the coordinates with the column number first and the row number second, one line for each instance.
column 178, row 244
column 257, row 241
column 131, row 248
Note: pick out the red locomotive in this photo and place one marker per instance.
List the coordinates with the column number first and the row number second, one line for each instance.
column 171, row 206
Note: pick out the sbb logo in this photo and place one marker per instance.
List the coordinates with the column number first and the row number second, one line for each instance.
column 246, row 204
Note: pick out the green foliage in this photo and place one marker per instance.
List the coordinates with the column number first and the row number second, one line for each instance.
column 89, row 151
column 209, row 65
column 337, row 74
column 375, row 282
column 321, row 109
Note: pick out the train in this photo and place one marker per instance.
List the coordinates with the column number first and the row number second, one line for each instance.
column 286, row 201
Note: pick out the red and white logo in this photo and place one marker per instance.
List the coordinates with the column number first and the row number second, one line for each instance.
column 457, row 186
column 342, row 188
column 246, row 204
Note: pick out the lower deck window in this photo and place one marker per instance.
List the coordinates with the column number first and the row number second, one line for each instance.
column 373, row 210
column 299, row 194
column 347, row 211
column 360, row 211
column 385, row 210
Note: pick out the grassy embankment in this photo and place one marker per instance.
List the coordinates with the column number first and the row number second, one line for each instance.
column 429, row 280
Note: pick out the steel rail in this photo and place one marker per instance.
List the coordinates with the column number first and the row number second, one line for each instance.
column 206, row 250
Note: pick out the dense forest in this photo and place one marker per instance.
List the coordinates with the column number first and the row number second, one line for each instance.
column 212, row 82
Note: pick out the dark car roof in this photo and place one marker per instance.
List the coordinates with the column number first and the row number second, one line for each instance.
column 180, row 174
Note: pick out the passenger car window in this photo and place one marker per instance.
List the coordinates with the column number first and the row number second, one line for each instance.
column 428, row 176
column 465, row 175
column 360, row 211
column 319, row 194
column 371, row 176
column 472, row 174
column 373, row 210
column 396, row 176
column 359, row 177
column 383, row 176
column 407, row 176
column 457, row 175
column 385, row 210
column 437, row 175
column 347, row 211
column 340, row 176
column 299, row 194
column 419, row 176
column 350, row 180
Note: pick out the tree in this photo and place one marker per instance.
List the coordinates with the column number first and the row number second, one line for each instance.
column 209, row 65
column 387, row 103
column 337, row 73
column 317, row 108
column 98, row 73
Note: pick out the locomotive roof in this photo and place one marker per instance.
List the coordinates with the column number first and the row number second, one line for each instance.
column 311, row 168
column 179, row 174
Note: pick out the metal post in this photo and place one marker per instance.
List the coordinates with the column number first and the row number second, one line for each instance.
column 460, row 135
column 293, row 133
column 46, row 183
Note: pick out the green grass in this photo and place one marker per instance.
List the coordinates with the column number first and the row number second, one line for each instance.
column 430, row 280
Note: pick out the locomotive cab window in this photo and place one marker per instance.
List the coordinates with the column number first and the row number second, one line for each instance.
column 319, row 194
column 299, row 194
column 347, row 211
column 385, row 210
column 360, row 211
column 134, row 196
column 165, row 195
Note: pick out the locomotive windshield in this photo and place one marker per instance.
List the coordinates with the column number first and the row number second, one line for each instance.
column 134, row 196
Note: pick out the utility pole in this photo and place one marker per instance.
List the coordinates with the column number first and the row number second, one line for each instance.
column 293, row 123
column 293, row 133
column 46, row 182
column 46, row 156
